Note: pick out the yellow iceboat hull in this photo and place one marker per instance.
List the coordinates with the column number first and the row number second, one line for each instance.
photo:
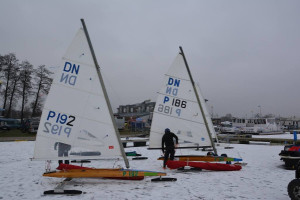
column 102, row 173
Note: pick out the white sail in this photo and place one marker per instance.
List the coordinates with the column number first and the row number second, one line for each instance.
column 177, row 108
column 76, row 122
column 207, row 115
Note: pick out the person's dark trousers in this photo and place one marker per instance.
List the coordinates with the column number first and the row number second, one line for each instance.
column 61, row 161
column 169, row 152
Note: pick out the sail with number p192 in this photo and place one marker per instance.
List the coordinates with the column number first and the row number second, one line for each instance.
column 76, row 121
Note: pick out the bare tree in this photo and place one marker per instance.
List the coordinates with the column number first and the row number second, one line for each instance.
column 1, row 65
column 42, row 85
column 26, row 71
column 14, row 90
column 8, row 63
column 1, row 72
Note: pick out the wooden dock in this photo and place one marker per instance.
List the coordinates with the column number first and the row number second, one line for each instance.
column 136, row 142
column 16, row 139
column 246, row 139
column 242, row 139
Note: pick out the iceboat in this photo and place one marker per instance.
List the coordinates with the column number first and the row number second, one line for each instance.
column 181, row 108
column 290, row 155
column 77, row 121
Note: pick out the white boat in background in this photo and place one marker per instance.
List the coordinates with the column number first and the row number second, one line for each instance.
column 228, row 128
column 257, row 125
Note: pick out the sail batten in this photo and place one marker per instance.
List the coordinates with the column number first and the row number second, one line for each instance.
column 179, row 118
column 80, row 63
column 77, row 89
column 178, row 77
column 177, row 97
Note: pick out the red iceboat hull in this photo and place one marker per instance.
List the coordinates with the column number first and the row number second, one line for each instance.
column 66, row 167
column 174, row 164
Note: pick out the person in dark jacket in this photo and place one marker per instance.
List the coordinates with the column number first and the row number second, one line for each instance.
column 167, row 140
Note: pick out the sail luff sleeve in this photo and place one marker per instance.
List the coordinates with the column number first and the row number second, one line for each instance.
column 105, row 93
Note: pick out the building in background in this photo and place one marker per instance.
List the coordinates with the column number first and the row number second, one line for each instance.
column 290, row 123
column 137, row 116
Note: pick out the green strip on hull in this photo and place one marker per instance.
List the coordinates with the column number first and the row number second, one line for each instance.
column 154, row 174
column 133, row 173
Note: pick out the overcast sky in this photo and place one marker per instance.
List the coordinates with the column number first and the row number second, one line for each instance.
column 242, row 53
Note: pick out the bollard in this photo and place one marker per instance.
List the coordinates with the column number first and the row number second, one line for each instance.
column 295, row 137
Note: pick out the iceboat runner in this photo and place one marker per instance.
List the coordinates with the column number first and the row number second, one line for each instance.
column 290, row 155
column 179, row 108
column 77, row 121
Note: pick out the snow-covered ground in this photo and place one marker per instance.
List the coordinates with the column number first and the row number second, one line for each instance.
column 285, row 135
column 263, row 178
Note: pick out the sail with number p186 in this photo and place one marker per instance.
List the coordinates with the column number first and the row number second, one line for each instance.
column 177, row 108
column 76, row 122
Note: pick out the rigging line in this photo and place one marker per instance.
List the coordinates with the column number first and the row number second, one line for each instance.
column 178, row 118
column 239, row 154
column 115, row 163
column 78, row 62
column 178, row 78
column 177, row 97
column 180, row 151
column 151, row 157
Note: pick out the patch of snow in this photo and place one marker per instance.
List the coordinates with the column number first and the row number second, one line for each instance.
column 263, row 178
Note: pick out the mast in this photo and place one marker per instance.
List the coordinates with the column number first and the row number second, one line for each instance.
column 198, row 99
column 104, row 92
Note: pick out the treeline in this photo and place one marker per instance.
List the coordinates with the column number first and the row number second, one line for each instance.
column 22, row 87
